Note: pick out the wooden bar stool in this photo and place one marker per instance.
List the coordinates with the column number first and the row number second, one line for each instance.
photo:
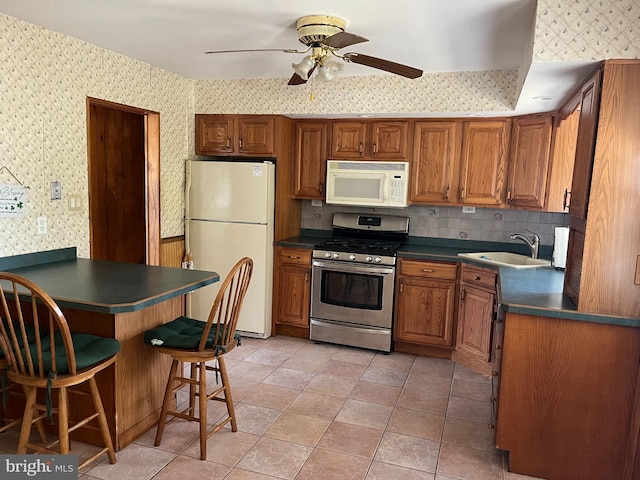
column 196, row 342
column 56, row 361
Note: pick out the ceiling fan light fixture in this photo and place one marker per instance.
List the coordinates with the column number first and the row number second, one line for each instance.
column 329, row 70
column 304, row 67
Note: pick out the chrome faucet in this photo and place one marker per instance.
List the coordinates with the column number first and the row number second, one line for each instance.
column 533, row 243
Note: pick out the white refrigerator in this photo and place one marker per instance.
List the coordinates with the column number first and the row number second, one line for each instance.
column 229, row 215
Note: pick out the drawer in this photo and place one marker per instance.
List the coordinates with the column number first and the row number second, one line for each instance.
column 480, row 277
column 418, row 268
column 296, row 256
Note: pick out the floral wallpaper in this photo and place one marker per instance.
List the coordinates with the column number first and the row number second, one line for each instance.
column 45, row 78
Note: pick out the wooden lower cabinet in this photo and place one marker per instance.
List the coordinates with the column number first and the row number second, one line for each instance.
column 425, row 301
column 292, row 291
column 476, row 308
column 569, row 404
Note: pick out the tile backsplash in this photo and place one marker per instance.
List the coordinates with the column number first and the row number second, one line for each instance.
column 485, row 224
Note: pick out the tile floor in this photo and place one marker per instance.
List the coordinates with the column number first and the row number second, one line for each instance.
column 311, row 411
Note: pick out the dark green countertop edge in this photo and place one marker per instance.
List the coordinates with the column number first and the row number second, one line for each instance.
column 35, row 265
column 531, row 292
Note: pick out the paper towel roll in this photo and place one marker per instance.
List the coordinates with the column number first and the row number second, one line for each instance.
column 560, row 244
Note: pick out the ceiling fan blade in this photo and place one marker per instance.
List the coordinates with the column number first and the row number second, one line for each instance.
column 298, row 80
column 285, row 50
column 386, row 65
column 343, row 39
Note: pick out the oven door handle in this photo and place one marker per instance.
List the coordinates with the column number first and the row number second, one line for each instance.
column 352, row 267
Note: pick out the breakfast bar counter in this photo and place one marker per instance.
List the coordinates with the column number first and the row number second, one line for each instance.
column 122, row 301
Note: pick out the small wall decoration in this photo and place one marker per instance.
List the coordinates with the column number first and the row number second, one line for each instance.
column 12, row 200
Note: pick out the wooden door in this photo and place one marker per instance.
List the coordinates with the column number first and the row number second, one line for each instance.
column 124, row 183
column 436, row 152
column 529, row 161
column 348, row 140
column 215, row 134
column 484, row 160
column 475, row 315
column 310, row 160
column 256, row 134
column 424, row 312
column 389, row 140
column 585, row 147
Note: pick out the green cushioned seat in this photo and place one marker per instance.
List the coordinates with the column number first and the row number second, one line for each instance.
column 29, row 330
column 89, row 349
column 183, row 332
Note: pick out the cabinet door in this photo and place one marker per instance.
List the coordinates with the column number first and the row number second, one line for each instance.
column 483, row 164
column 294, row 292
column 529, row 161
column 565, row 137
column 256, row 134
column 436, row 151
column 475, row 317
column 348, row 140
column 424, row 312
column 215, row 134
column 310, row 158
column 585, row 147
column 389, row 140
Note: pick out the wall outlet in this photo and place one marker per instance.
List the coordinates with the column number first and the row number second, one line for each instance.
column 42, row 225
column 316, row 203
column 468, row 209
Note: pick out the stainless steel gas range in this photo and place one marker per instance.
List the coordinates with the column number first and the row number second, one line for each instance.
column 352, row 280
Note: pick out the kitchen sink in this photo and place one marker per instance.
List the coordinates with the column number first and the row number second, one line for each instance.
column 507, row 259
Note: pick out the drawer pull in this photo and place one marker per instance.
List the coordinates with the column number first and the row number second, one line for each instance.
column 294, row 257
column 428, row 270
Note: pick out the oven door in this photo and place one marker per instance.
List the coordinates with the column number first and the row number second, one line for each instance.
column 354, row 293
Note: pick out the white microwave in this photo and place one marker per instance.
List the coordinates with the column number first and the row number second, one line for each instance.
column 367, row 184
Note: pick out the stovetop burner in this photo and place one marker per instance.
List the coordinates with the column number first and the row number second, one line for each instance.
column 360, row 245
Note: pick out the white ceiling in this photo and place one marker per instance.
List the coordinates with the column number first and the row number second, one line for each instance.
column 432, row 35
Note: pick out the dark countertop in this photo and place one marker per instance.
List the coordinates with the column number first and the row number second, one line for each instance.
column 102, row 286
column 531, row 291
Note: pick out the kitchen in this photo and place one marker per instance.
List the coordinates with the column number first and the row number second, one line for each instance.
column 52, row 130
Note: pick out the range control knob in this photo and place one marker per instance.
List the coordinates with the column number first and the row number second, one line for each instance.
column 368, row 259
column 336, row 255
column 377, row 260
column 352, row 257
column 327, row 255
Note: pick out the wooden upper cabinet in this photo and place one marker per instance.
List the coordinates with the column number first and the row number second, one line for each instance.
column 215, row 134
column 485, row 146
column 585, row 147
column 435, row 161
column 529, row 161
column 369, row 140
column 310, row 159
column 256, row 134
column 235, row 134
column 563, row 156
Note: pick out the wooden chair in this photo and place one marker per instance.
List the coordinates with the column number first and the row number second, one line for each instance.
column 57, row 360
column 196, row 342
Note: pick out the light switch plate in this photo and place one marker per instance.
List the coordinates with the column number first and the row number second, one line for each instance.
column 316, row 203
column 74, row 202
column 468, row 209
column 42, row 225
column 56, row 190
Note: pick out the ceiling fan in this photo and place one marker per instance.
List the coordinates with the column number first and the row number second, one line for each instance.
column 324, row 35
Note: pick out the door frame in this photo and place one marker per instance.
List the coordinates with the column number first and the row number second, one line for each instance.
column 152, row 175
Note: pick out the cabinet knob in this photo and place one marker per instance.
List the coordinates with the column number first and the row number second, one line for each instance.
column 240, row 142
column 228, row 142
column 294, row 257
column 428, row 270
column 461, row 193
column 564, row 200
column 476, row 278
column 446, row 193
column 375, row 148
column 361, row 149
